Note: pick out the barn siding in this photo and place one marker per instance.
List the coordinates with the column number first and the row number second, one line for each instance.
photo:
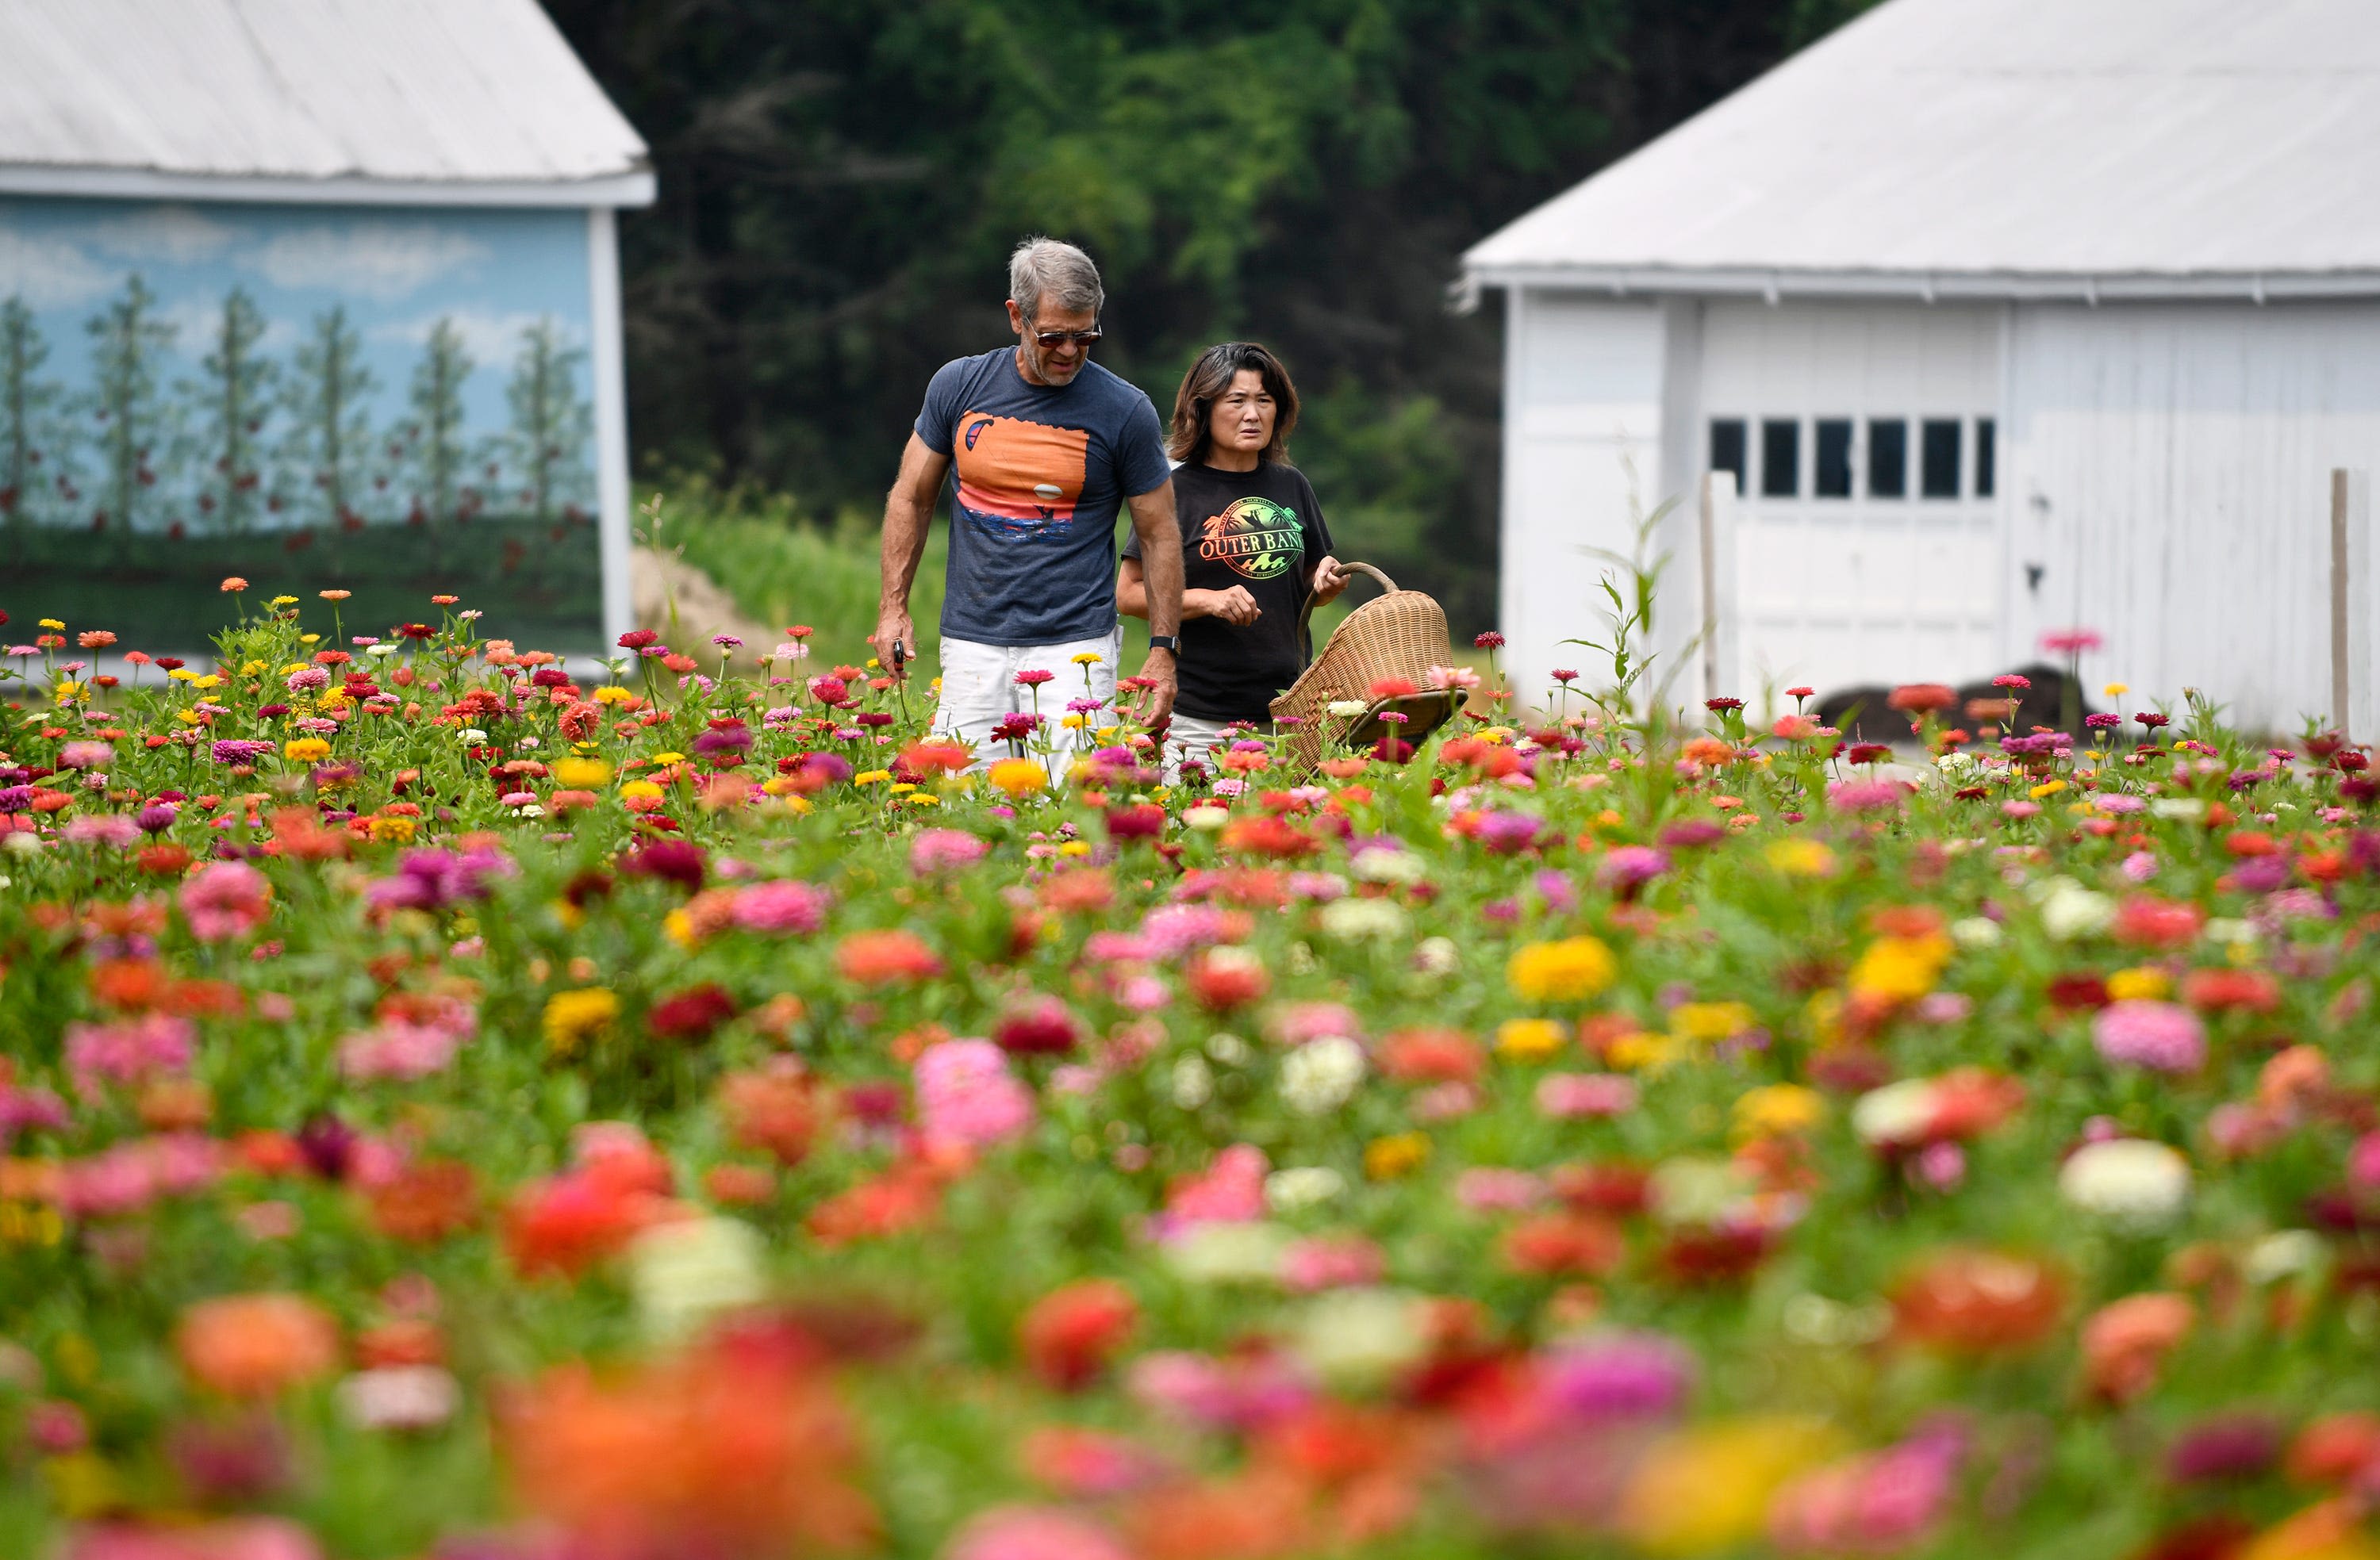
column 1583, row 457
column 2168, row 474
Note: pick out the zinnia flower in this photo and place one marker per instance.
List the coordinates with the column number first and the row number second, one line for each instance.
column 2161, row 1037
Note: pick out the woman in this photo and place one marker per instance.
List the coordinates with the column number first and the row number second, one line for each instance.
column 1254, row 547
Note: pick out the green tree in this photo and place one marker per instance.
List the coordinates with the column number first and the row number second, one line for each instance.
column 32, row 436
column 125, row 337
column 440, row 452
column 330, row 444
column 234, row 398
column 547, row 443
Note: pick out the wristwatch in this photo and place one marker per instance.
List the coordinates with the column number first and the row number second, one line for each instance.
column 1170, row 643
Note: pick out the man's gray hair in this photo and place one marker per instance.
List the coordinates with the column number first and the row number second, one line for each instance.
column 1046, row 268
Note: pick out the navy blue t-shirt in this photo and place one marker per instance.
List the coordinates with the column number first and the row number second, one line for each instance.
column 1040, row 471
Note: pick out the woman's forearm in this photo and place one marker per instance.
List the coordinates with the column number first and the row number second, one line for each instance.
column 1132, row 599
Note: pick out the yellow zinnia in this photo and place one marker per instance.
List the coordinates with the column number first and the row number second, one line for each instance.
column 1568, row 970
column 571, row 1018
column 305, row 749
column 1019, row 778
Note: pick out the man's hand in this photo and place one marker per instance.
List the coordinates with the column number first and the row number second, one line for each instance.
column 895, row 629
column 1234, row 606
column 1330, row 579
column 1153, row 705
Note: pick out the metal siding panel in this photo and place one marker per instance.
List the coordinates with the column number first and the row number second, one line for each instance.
column 1583, row 440
column 2184, row 455
column 2017, row 136
column 468, row 90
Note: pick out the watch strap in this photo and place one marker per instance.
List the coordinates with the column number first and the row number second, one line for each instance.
column 1168, row 642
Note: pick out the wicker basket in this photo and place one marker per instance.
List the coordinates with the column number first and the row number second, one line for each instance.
column 1401, row 633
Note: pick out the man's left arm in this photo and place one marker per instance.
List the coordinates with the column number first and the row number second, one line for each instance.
column 1161, row 557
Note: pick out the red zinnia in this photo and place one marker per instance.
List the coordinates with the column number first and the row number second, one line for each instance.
column 1072, row 1332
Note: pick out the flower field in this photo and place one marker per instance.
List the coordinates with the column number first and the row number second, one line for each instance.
column 456, row 1104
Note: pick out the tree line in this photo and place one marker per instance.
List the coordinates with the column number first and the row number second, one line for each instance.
column 841, row 180
column 248, row 442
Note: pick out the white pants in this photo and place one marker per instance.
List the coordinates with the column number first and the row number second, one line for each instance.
column 1189, row 740
column 979, row 688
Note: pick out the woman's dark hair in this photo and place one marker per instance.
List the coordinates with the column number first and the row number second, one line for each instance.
column 1206, row 384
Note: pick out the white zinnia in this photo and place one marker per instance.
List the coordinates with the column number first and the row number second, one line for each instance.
column 2069, row 910
column 1400, row 867
column 1437, row 956
column 1362, row 920
column 400, row 1397
column 1229, row 1253
column 1975, row 931
column 1355, row 1339
column 1321, row 1075
column 1194, row 1083
column 687, row 1271
column 1302, row 1187
column 2133, row 1183
column 1207, row 818
column 1898, row 1113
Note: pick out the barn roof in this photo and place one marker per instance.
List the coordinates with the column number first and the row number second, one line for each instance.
column 436, row 100
column 2012, row 148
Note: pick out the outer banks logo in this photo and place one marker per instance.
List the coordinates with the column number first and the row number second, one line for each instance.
column 1259, row 539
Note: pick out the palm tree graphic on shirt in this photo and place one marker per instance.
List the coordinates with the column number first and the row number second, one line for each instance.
column 1257, row 537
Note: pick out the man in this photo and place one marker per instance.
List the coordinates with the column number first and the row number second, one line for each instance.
column 1048, row 445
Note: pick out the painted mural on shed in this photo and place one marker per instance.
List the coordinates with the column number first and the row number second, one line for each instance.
column 395, row 402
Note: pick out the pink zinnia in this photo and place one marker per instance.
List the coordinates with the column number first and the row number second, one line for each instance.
column 129, row 1052
column 1486, row 1189
column 1331, row 1261
column 937, row 851
column 2161, row 1037
column 1034, row 1532
column 966, row 1093
column 404, row 1051
column 1567, row 1095
column 781, row 906
column 226, row 898
column 1232, row 1189
column 1866, row 796
column 1625, row 866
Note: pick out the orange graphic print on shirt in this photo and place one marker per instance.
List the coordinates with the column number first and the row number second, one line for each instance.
column 1019, row 478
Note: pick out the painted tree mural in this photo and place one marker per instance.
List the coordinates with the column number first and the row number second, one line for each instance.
column 234, row 399
column 550, row 426
column 35, row 481
column 329, row 446
column 132, row 424
column 440, row 454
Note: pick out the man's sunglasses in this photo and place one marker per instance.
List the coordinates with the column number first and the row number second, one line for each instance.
column 1060, row 338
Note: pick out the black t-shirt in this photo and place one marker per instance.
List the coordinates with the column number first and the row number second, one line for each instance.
column 1262, row 529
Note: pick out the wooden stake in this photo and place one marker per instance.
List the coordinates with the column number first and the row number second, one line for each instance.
column 2340, row 489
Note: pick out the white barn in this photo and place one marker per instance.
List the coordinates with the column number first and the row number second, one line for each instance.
column 2008, row 316
column 311, row 288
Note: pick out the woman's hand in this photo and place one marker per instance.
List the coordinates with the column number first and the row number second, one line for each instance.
column 1234, row 606
column 1330, row 579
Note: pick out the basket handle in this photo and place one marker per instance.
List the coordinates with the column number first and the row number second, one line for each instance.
column 1306, row 614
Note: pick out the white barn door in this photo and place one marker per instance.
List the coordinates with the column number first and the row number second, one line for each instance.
column 1865, row 544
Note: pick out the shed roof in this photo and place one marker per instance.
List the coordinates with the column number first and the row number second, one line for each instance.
column 2006, row 147
column 431, row 101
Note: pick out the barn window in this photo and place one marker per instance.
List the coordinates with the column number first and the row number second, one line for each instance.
column 1727, row 449
column 1986, row 457
column 1941, row 458
column 1887, row 458
column 1834, row 473
column 1780, row 458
